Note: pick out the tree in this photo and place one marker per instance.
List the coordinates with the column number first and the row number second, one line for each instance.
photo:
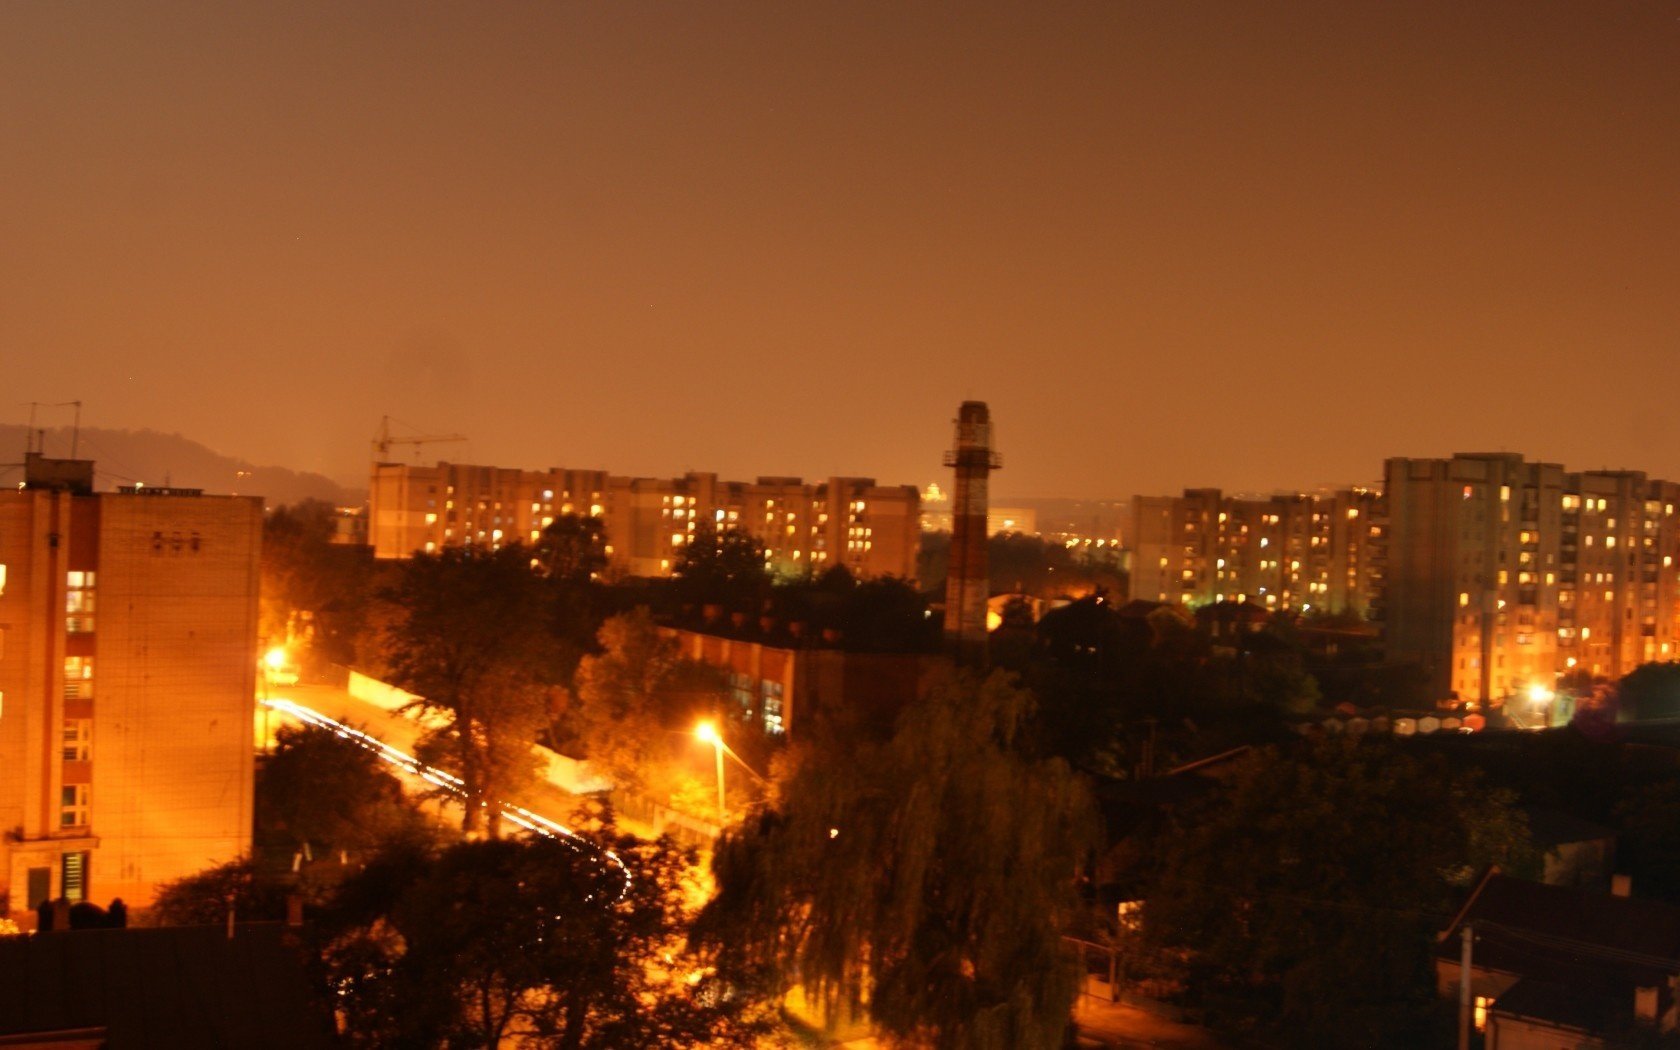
column 312, row 588
column 573, row 549
column 572, row 556
column 1308, row 890
column 548, row 940
column 471, row 637
column 722, row 567
column 928, row 875
column 631, row 698
column 329, row 792
column 203, row 898
column 1649, row 691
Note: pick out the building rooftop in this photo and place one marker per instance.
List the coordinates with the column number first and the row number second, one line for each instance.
column 1560, row 934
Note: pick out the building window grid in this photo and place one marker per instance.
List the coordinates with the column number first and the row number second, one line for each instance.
column 73, row 810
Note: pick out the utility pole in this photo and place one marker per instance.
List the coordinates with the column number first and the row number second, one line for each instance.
column 1469, row 935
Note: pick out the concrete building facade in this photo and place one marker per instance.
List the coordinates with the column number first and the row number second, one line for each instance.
column 128, row 648
column 1505, row 574
column 1296, row 551
column 870, row 529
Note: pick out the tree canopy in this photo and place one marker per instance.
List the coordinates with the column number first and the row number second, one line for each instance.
column 573, row 548
column 546, row 940
column 928, row 876
column 1307, row 890
column 330, row 793
column 635, row 703
column 722, row 567
column 471, row 635
column 1649, row 691
column 312, row 588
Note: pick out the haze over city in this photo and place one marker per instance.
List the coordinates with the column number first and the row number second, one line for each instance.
column 1257, row 247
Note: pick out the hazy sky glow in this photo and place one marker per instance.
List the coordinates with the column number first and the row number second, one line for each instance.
column 1252, row 245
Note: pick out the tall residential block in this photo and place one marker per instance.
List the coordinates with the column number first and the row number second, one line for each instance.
column 1504, row 574
column 870, row 529
column 1298, row 551
column 128, row 638
column 968, row 580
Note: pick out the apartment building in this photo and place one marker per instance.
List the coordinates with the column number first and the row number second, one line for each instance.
column 1293, row 551
column 870, row 529
column 128, row 637
column 1504, row 574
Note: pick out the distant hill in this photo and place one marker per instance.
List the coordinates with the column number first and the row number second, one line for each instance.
column 123, row 457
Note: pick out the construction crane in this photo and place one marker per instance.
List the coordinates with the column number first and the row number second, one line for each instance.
column 383, row 440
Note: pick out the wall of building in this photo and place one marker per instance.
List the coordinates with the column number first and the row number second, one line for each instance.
column 1504, row 574
column 780, row 689
column 1295, row 551
column 176, row 678
column 1519, row 1033
column 872, row 530
column 127, row 674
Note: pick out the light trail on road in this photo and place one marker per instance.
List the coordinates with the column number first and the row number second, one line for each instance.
column 531, row 821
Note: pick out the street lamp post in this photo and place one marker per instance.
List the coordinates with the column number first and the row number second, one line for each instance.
column 708, row 732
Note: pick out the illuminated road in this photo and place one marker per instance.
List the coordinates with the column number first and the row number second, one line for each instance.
column 412, row 767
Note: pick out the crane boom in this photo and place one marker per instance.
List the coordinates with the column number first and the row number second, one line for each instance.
column 383, row 440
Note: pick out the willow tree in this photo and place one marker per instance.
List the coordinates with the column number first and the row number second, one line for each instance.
column 924, row 879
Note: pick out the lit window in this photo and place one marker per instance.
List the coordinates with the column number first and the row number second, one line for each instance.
column 78, row 602
column 770, row 698
column 78, row 678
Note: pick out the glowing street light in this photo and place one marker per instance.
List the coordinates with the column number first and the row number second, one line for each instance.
column 272, row 661
column 707, row 732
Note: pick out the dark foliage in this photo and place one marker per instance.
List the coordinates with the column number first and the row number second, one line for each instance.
column 546, row 940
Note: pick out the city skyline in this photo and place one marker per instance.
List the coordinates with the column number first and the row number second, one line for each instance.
column 1278, row 246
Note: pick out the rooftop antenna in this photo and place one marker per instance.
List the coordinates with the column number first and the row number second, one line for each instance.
column 39, row 435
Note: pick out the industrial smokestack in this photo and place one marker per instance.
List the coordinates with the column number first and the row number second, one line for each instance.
column 968, row 584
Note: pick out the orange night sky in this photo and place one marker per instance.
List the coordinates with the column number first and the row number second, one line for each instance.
column 1256, row 246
